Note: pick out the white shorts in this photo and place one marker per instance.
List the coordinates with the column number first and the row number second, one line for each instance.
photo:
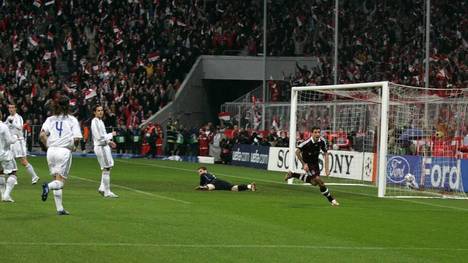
column 59, row 161
column 9, row 166
column 104, row 156
column 19, row 149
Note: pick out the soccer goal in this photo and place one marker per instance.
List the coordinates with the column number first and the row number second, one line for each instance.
column 407, row 141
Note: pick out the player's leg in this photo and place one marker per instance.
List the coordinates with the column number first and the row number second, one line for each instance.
column 305, row 177
column 243, row 187
column 30, row 169
column 19, row 151
column 9, row 168
column 59, row 160
column 324, row 190
column 2, row 184
column 98, row 152
column 108, row 163
column 56, row 186
column 208, row 187
column 222, row 185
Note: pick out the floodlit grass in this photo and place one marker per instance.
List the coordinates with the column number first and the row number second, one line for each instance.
column 160, row 218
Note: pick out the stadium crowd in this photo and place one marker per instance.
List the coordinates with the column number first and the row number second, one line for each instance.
column 131, row 56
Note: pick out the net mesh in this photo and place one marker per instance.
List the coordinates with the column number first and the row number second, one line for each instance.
column 425, row 144
column 426, row 129
column 349, row 127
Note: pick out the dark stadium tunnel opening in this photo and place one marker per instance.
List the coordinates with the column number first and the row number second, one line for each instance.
column 222, row 91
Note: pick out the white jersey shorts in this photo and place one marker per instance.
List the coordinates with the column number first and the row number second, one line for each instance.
column 104, row 156
column 59, row 161
column 9, row 166
column 19, row 148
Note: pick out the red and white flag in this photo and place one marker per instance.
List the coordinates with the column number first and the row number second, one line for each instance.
column 118, row 39
column 275, row 123
column 441, row 74
column 33, row 90
column 37, row 3
column 47, row 56
column 34, row 40
column 180, row 23
column 225, row 116
column 153, row 56
column 89, row 93
column 298, row 21
column 15, row 41
column 69, row 42
column 50, row 36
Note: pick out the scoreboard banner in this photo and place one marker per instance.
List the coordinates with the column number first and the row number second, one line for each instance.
column 342, row 164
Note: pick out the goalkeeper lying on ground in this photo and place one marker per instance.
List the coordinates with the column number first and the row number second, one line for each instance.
column 209, row 182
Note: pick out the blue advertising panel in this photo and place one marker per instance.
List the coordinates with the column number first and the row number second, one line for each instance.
column 464, row 173
column 250, row 155
column 447, row 174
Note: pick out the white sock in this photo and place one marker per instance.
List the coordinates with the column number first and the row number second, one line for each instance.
column 249, row 186
column 55, row 185
column 31, row 171
column 58, row 199
column 10, row 184
column 2, row 185
column 101, row 186
column 106, row 181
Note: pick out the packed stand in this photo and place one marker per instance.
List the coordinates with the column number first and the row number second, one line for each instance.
column 377, row 41
column 130, row 56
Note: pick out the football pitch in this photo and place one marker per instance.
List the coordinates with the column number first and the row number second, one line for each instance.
column 159, row 217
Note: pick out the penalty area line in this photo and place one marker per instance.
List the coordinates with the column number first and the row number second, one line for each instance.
column 266, row 246
column 138, row 191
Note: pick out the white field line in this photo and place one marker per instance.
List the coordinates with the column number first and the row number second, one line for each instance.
column 276, row 182
column 137, row 191
column 266, row 246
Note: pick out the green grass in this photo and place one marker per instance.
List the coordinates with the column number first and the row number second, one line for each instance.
column 160, row 218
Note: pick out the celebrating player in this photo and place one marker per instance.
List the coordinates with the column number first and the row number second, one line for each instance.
column 308, row 154
column 102, row 141
column 15, row 124
column 209, row 182
column 7, row 161
column 60, row 134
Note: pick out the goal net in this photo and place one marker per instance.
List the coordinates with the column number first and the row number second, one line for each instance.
column 408, row 141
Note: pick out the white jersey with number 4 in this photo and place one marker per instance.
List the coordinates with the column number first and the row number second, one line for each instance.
column 61, row 130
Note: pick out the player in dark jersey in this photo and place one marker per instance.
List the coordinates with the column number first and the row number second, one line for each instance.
column 308, row 154
column 209, row 182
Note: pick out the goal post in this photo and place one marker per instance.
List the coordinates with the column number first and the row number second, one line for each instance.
column 380, row 131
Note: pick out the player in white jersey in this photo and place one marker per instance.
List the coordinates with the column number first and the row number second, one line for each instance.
column 102, row 147
column 15, row 124
column 7, row 161
column 60, row 134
